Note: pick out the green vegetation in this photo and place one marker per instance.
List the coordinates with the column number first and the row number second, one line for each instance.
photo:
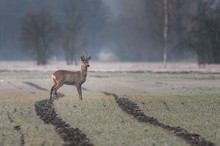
column 190, row 101
column 20, row 124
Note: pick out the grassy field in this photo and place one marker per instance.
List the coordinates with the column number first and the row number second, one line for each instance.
column 190, row 101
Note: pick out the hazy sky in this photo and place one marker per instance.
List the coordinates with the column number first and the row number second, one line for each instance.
column 114, row 6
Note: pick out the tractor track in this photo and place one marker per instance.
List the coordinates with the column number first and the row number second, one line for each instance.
column 35, row 86
column 132, row 108
column 18, row 129
column 71, row 136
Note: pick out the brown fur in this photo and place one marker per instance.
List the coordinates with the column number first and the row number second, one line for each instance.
column 76, row 78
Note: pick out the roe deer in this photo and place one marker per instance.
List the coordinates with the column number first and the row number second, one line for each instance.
column 76, row 78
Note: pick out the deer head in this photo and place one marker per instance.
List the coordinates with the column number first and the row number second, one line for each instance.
column 85, row 61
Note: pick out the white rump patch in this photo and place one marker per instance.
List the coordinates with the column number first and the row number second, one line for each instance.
column 53, row 77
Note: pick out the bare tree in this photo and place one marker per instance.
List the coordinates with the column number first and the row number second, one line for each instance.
column 165, row 32
column 70, row 34
column 167, row 22
column 204, row 37
column 38, row 32
column 84, row 23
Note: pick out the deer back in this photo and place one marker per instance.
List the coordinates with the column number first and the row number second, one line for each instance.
column 66, row 77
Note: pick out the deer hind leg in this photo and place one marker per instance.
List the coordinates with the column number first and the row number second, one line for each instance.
column 78, row 87
column 57, row 87
column 51, row 90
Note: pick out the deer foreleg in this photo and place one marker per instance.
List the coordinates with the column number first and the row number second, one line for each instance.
column 78, row 87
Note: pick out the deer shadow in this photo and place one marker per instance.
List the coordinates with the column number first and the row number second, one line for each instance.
column 61, row 95
column 58, row 96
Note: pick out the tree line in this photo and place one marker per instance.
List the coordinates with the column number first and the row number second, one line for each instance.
column 166, row 26
column 193, row 25
column 41, row 32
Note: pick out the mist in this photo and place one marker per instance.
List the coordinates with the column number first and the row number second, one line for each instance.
column 116, row 30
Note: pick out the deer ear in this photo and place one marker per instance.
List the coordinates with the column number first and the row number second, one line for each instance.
column 89, row 57
column 82, row 58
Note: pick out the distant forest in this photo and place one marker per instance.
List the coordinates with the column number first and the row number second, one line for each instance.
column 117, row 30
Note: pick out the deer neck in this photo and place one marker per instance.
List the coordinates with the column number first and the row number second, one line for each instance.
column 83, row 71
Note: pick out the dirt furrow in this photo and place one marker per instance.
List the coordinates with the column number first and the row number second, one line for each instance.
column 18, row 129
column 132, row 108
column 71, row 136
column 35, row 86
